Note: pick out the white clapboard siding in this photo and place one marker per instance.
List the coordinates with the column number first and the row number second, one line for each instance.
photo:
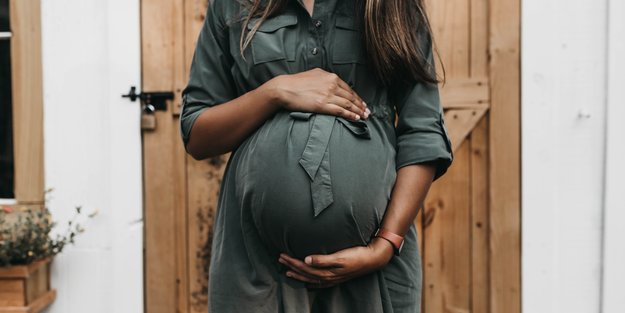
column 614, row 215
column 92, row 155
column 563, row 150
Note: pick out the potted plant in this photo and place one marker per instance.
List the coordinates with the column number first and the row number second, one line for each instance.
column 27, row 248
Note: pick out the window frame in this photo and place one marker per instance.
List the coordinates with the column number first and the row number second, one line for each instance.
column 27, row 103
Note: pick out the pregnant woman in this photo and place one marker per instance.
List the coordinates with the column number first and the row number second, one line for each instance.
column 331, row 111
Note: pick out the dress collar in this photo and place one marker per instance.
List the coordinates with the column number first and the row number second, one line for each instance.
column 321, row 7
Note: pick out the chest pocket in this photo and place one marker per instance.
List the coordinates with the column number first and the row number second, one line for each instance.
column 275, row 39
column 348, row 43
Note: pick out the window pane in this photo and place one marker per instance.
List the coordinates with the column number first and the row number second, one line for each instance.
column 4, row 16
column 6, row 125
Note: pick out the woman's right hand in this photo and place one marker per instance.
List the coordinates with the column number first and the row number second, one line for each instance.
column 318, row 91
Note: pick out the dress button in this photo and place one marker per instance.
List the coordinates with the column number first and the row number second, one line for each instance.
column 314, row 50
column 317, row 23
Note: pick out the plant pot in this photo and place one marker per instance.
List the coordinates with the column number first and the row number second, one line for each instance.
column 26, row 288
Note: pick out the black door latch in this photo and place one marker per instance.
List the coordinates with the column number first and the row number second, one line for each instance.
column 151, row 101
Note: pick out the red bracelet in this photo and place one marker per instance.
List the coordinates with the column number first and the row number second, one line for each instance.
column 396, row 240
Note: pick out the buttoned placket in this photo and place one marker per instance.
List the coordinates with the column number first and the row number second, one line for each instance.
column 315, row 159
column 315, row 55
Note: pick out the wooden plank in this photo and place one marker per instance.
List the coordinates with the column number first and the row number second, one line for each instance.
column 474, row 91
column 42, row 302
column 204, row 179
column 161, row 164
column 447, row 241
column 466, row 105
column 461, row 123
column 479, row 39
column 450, row 20
column 180, row 69
column 16, row 271
column 480, row 287
column 179, row 157
column 12, row 292
column 181, row 222
column 22, row 271
column 37, row 306
column 27, row 91
column 505, row 210
column 37, row 284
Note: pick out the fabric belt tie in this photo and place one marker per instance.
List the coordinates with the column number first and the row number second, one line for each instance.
column 316, row 156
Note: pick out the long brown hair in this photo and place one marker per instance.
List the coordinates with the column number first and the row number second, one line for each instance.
column 396, row 40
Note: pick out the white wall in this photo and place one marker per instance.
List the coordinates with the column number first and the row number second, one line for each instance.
column 564, row 90
column 614, row 214
column 93, row 151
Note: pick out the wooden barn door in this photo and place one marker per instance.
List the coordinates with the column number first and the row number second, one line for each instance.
column 470, row 224
column 180, row 192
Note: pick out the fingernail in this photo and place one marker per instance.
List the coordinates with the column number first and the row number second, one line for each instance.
column 308, row 260
column 363, row 102
column 289, row 274
column 357, row 117
column 367, row 111
column 281, row 260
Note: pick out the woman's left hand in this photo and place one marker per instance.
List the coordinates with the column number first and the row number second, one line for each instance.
column 321, row 271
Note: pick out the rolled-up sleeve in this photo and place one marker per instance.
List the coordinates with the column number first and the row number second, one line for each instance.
column 210, row 80
column 421, row 132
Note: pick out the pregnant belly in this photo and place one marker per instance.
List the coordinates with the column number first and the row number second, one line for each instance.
column 316, row 183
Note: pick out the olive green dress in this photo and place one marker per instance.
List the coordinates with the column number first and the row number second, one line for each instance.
column 306, row 183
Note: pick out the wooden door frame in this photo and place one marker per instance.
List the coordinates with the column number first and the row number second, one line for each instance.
column 27, row 92
column 505, row 156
